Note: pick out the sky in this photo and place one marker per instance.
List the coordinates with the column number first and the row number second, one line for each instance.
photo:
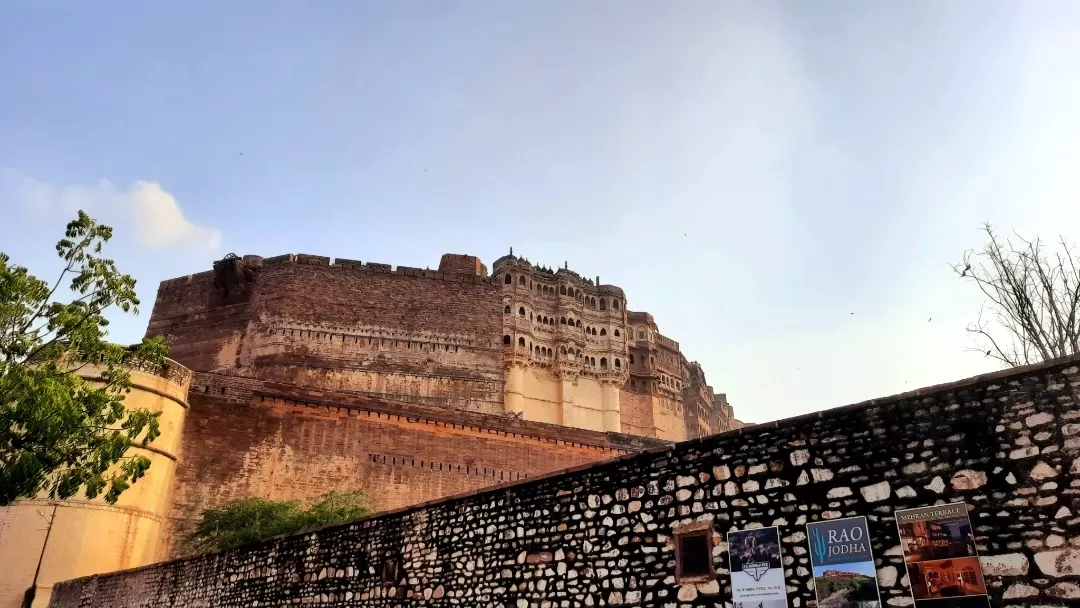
column 783, row 185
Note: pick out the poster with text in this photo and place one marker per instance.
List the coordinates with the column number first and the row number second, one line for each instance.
column 757, row 572
column 843, row 563
column 942, row 563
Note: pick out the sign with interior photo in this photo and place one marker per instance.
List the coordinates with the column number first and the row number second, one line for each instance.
column 843, row 562
column 942, row 563
column 757, row 572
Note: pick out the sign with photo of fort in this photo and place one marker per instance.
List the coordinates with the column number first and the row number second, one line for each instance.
column 843, row 564
column 942, row 561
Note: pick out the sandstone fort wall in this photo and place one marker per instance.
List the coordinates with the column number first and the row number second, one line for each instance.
column 1006, row 444
column 249, row 437
column 404, row 334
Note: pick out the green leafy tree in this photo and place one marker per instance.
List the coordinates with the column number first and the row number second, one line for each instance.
column 58, row 431
column 247, row 520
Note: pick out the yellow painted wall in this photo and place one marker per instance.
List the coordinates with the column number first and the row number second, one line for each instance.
column 588, row 402
column 542, row 396
column 89, row 537
column 668, row 415
column 547, row 398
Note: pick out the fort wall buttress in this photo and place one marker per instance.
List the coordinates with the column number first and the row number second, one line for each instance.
column 406, row 334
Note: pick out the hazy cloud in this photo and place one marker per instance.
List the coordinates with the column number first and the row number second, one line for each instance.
column 153, row 214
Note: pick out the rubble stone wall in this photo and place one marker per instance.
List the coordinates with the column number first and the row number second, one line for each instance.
column 1007, row 444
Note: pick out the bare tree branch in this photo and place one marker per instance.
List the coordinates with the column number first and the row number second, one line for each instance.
column 1034, row 299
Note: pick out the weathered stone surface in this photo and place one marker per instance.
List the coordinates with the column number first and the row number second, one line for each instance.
column 1041, row 470
column 887, row 576
column 968, row 479
column 876, row 492
column 1064, row 590
column 1065, row 562
column 1020, row 590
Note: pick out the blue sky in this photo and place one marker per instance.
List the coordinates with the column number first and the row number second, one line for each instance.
column 752, row 173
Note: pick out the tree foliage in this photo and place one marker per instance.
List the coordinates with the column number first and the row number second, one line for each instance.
column 1033, row 299
column 247, row 520
column 59, row 432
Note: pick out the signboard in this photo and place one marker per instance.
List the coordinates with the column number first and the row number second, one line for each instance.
column 942, row 563
column 843, row 563
column 757, row 571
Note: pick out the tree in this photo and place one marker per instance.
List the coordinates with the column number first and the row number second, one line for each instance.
column 247, row 520
column 1033, row 297
column 58, row 431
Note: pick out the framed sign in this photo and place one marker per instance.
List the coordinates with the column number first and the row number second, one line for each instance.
column 941, row 559
column 757, row 568
column 843, row 563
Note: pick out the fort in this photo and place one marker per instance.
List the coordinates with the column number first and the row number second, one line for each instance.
column 542, row 345
column 296, row 374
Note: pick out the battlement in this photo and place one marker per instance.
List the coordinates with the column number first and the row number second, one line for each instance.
column 452, row 268
column 666, row 342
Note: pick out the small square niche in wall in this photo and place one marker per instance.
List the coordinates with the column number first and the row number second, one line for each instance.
column 389, row 571
column 693, row 555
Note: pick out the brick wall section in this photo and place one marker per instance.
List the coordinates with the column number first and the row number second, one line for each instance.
column 247, row 437
column 454, row 263
column 405, row 332
column 1007, row 444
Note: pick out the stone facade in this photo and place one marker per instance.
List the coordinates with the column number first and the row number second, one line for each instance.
column 455, row 338
column 1007, row 444
column 249, row 437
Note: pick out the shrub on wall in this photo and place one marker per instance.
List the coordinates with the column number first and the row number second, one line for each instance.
column 247, row 520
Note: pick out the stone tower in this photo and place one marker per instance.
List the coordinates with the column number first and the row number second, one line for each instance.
column 89, row 537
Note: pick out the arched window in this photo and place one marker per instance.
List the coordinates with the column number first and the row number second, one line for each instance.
column 614, row 304
column 603, row 362
column 578, row 324
column 521, row 311
column 616, row 333
column 562, row 350
column 594, row 331
column 603, row 304
column 537, row 351
column 562, row 290
column 509, row 280
column 631, row 359
column 506, row 340
column 521, row 281
column 521, row 342
column 579, row 352
column 603, row 332
column 506, row 310
column 592, row 361
column 618, row 364
column 562, row 320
